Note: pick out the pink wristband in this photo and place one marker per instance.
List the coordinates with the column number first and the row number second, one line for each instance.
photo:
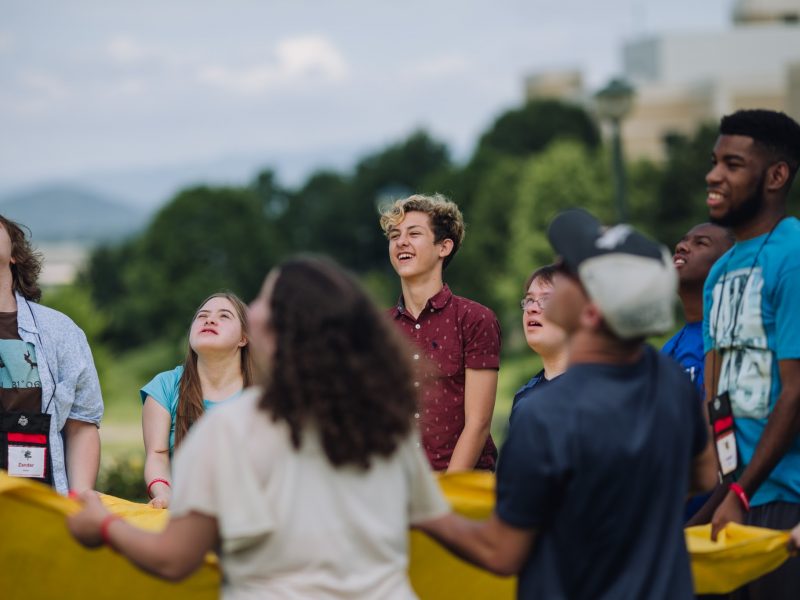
column 739, row 491
column 150, row 485
column 104, row 528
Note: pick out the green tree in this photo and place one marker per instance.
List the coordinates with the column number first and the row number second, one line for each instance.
column 204, row 240
column 75, row 301
column 531, row 128
column 477, row 269
column 311, row 220
column 566, row 175
column 681, row 193
column 399, row 170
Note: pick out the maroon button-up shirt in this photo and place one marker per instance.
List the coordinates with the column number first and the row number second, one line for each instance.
column 450, row 335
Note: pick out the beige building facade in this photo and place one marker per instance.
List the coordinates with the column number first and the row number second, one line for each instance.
column 683, row 80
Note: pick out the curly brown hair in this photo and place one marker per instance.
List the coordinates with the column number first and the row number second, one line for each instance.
column 339, row 367
column 27, row 262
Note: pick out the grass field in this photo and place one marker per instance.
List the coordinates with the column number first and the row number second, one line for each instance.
column 121, row 379
column 121, row 431
column 123, row 376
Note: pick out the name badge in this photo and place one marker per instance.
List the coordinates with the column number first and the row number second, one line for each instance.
column 726, row 451
column 27, row 461
column 721, row 415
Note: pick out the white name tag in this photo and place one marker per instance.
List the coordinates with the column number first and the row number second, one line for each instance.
column 26, row 461
column 726, row 450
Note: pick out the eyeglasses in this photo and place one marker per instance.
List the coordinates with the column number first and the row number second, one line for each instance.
column 528, row 302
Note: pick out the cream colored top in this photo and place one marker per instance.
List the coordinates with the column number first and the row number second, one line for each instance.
column 292, row 525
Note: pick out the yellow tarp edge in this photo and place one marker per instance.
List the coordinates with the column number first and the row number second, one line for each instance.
column 41, row 560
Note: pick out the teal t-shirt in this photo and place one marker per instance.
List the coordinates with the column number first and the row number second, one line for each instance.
column 163, row 388
column 20, row 385
column 751, row 318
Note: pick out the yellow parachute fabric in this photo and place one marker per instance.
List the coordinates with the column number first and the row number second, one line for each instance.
column 438, row 575
column 41, row 560
column 740, row 554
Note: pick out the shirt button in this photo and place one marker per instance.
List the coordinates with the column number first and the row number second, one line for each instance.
column 416, row 415
column 417, row 326
column 417, row 444
column 431, row 310
column 416, row 357
column 416, row 384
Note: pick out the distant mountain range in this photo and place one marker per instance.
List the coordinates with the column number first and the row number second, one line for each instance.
column 57, row 213
column 150, row 187
column 102, row 206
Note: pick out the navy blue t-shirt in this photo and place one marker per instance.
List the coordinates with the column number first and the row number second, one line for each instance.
column 599, row 467
column 686, row 348
column 537, row 382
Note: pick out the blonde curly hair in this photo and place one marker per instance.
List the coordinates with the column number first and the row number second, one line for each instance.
column 446, row 219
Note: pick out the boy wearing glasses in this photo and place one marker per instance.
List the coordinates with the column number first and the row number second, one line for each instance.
column 591, row 483
column 456, row 340
column 545, row 338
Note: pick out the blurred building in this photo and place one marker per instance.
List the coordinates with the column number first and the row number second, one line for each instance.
column 62, row 262
column 558, row 85
column 684, row 79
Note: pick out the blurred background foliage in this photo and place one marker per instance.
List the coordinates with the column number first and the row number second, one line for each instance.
column 135, row 299
column 530, row 163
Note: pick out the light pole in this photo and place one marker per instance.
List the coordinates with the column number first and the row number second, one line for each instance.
column 612, row 104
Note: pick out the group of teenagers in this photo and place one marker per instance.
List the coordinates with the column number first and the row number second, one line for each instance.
column 300, row 438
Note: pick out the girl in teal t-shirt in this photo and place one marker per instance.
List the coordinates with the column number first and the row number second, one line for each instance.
column 217, row 367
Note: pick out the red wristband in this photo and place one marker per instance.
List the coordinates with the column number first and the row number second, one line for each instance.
column 739, row 491
column 104, row 528
column 149, row 485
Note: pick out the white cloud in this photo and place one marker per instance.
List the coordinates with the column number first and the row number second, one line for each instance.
column 125, row 49
column 305, row 59
column 37, row 93
column 45, row 84
column 311, row 56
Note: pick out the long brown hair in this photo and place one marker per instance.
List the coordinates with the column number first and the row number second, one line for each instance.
column 190, row 392
column 27, row 262
column 339, row 365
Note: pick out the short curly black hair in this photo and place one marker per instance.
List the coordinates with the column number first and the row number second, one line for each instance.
column 775, row 132
column 340, row 368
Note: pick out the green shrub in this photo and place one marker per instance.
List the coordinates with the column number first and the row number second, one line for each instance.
column 122, row 476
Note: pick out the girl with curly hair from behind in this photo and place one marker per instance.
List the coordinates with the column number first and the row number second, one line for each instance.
column 307, row 484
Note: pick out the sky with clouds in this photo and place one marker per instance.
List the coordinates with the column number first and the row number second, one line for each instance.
column 102, row 85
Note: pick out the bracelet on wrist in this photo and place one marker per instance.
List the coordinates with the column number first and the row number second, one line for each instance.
column 153, row 482
column 740, row 493
column 104, row 525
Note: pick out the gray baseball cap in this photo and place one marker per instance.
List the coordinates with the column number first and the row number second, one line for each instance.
column 629, row 277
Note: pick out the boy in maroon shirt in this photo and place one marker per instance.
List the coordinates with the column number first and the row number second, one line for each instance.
column 459, row 339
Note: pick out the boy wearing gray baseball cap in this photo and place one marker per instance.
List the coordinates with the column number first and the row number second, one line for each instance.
column 592, row 478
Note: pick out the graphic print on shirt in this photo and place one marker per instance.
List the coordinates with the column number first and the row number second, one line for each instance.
column 18, row 366
column 746, row 371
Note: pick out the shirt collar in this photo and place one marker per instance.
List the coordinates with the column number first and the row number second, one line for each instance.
column 436, row 302
column 24, row 315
